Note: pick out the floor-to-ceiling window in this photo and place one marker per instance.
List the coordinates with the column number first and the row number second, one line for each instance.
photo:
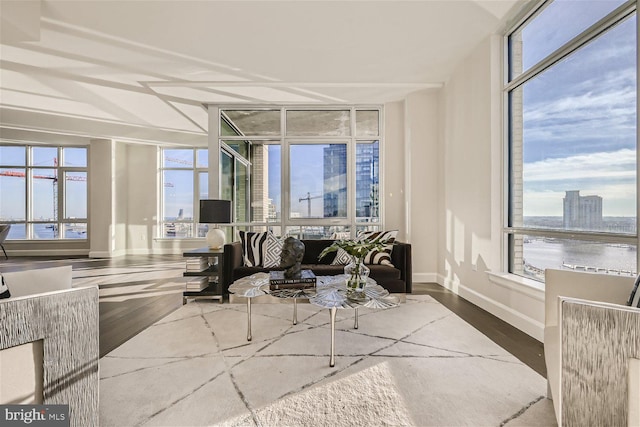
column 184, row 175
column 311, row 172
column 571, row 96
column 43, row 191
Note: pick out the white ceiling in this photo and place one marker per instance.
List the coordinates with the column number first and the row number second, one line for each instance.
column 142, row 70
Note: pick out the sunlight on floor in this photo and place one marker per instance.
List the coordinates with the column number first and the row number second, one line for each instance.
column 369, row 396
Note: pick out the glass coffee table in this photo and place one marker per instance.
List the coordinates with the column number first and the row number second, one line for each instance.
column 330, row 293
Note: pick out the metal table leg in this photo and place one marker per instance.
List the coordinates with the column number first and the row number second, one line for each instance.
column 355, row 323
column 248, row 319
column 295, row 310
column 332, row 359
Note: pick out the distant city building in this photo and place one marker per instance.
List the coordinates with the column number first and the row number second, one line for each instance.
column 273, row 214
column 581, row 212
column 367, row 180
column 261, row 204
column 335, row 181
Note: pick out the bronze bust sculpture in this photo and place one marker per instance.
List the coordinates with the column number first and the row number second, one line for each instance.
column 291, row 257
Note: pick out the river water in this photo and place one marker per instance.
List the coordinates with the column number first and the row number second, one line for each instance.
column 46, row 231
column 554, row 253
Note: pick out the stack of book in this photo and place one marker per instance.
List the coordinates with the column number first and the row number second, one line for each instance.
column 197, row 284
column 277, row 280
column 197, row 264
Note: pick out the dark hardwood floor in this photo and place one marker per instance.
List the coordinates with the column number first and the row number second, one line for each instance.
column 129, row 301
column 527, row 349
column 137, row 291
column 121, row 321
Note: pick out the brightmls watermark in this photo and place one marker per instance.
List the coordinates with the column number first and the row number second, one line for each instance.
column 34, row 415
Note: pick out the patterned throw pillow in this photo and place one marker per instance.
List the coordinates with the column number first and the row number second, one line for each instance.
column 634, row 298
column 342, row 258
column 272, row 251
column 379, row 257
column 4, row 290
column 253, row 247
column 340, row 235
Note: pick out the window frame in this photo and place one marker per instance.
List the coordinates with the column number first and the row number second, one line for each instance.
column 197, row 171
column 350, row 222
column 597, row 29
column 61, row 191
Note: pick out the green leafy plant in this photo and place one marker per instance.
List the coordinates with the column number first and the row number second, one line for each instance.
column 357, row 271
column 358, row 249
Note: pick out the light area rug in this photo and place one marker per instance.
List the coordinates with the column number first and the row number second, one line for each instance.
column 413, row 365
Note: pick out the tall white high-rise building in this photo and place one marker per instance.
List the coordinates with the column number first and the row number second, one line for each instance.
column 581, row 212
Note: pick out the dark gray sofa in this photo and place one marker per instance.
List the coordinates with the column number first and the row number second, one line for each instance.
column 396, row 279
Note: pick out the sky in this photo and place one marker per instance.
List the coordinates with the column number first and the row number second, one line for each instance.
column 274, row 175
column 580, row 115
column 12, row 189
column 307, row 176
column 178, row 184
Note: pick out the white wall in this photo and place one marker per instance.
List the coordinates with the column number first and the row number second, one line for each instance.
column 470, row 197
column 411, row 183
column 393, row 164
column 123, row 184
column 110, row 190
column 142, row 199
column 101, row 197
column 421, row 177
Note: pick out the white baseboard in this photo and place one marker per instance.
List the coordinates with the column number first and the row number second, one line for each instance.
column 448, row 284
column 157, row 251
column 424, row 278
column 513, row 317
column 144, row 251
column 106, row 254
column 44, row 252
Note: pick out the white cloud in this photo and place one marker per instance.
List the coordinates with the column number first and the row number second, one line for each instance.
column 618, row 165
column 589, row 96
column 611, row 175
column 585, row 106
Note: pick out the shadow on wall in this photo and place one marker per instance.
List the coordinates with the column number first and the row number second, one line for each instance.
column 463, row 260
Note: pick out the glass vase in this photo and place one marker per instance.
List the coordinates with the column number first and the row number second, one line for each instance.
column 357, row 274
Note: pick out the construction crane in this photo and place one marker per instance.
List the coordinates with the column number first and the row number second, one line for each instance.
column 176, row 160
column 54, row 181
column 180, row 161
column 308, row 199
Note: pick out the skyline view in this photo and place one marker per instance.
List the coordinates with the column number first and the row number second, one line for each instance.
column 572, row 91
column 44, row 160
column 579, row 116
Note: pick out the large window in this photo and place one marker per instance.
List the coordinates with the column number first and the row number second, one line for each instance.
column 312, row 172
column 43, row 191
column 571, row 94
column 184, row 181
column 318, row 180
